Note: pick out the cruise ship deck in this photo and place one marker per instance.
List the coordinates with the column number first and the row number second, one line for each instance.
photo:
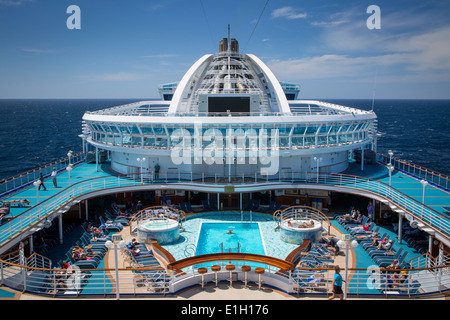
column 90, row 180
column 228, row 153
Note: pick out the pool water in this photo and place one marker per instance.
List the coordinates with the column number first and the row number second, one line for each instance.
column 160, row 224
column 268, row 238
column 215, row 235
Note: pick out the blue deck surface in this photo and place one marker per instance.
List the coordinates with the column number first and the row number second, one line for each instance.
column 435, row 197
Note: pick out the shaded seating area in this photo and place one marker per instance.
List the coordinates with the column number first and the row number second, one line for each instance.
column 273, row 206
column 187, row 207
column 209, row 205
column 253, row 205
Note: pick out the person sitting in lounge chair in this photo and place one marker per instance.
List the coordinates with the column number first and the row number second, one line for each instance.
column 352, row 216
column 385, row 246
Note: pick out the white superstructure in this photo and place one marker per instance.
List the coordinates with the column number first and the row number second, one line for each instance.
column 229, row 116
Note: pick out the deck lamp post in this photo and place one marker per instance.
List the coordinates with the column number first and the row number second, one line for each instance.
column 141, row 161
column 424, row 184
column 69, row 169
column 318, row 160
column 347, row 244
column 37, row 183
column 69, row 155
column 390, row 168
column 390, row 153
column 122, row 245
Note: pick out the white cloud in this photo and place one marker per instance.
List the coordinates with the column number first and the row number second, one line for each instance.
column 161, row 56
column 14, row 3
column 430, row 50
column 120, row 76
column 288, row 13
column 333, row 20
column 332, row 66
column 34, row 50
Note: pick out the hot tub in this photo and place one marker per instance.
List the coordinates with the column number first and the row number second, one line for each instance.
column 165, row 231
column 295, row 231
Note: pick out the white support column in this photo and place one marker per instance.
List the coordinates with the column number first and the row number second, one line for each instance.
column 400, row 227
column 380, row 203
column 96, row 158
column 30, row 241
column 430, row 243
column 218, row 201
column 362, row 158
column 87, row 211
column 60, row 229
column 240, row 201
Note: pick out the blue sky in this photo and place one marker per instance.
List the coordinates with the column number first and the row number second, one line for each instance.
column 124, row 49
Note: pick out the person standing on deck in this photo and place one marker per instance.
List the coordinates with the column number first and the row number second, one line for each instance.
column 41, row 177
column 371, row 211
column 337, row 284
column 157, row 168
column 55, row 183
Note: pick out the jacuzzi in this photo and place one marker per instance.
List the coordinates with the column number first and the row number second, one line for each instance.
column 293, row 231
column 165, row 231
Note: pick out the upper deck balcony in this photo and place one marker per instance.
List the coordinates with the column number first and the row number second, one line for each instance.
column 402, row 191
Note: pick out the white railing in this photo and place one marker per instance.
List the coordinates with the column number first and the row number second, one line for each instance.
column 301, row 213
column 141, row 281
column 431, row 176
column 62, row 201
column 24, row 179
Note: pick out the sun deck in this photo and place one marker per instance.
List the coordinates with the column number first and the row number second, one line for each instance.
column 90, row 180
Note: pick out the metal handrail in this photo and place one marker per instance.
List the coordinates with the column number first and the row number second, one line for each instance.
column 372, row 281
column 305, row 212
column 17, row 182
column 38, row 213
column 432, row 176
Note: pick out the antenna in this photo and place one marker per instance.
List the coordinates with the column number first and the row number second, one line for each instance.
column 374, row 89
column 257, row 22
column 229, row 39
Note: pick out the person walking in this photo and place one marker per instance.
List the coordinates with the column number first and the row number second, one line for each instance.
column 371, row 211
column 55, row 183
column 41, row 177
column 337, row 284
column 157, row 168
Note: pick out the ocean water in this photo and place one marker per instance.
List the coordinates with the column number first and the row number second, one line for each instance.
column 36, row 132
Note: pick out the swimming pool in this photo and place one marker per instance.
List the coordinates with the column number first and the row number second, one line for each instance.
column 215, row 237
column 269, row 236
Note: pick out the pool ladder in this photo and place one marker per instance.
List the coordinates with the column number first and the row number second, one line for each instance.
column 189, row 250
column 222, row 249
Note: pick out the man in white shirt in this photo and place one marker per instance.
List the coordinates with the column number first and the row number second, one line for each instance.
column 55, row 184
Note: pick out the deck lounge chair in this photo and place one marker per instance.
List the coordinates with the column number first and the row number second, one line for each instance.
column 249, row 205
column 255, row 206
column 206, row 206
column 213, row 205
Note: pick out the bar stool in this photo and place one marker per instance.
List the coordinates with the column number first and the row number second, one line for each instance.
column 202, row 271
column 216, row 269
column 230, row 267
column 259, row 271
column 246, row 269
